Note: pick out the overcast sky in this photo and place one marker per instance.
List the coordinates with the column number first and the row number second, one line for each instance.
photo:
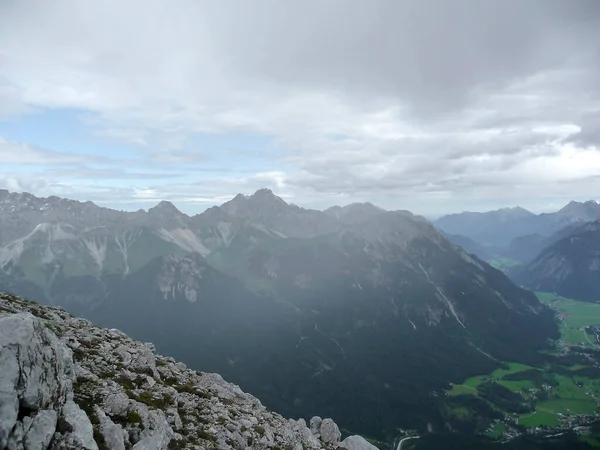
column 435, row 106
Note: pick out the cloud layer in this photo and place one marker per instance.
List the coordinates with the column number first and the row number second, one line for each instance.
column 428, row 105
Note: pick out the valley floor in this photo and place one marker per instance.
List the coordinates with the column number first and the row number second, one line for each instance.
column 563, row 394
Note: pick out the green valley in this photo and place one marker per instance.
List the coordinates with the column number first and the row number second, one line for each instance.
column 574, row 316
column 560, row 394
column 504, row 264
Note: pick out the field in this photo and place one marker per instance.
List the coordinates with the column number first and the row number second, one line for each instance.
column 574, row 316
column 553, row 394
column 469, row 386
column 539, row 418
column 504, row 263
column 497, row 430
column 462, row 389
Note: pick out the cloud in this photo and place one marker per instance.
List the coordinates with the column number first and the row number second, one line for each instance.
column 435, row 104
column 18, row 153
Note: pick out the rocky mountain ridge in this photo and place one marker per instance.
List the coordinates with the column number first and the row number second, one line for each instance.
column 569, row 266
column 356, row 313
column 501, row 227
column 65, row 384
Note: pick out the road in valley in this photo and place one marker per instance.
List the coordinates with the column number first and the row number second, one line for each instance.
column 404, row 440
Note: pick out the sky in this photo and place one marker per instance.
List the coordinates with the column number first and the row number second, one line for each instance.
column 427, row 105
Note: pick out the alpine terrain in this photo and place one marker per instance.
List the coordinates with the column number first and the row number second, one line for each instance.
column 355, row 312
column 65, row 384
column 511, row 237
column 569, row 267
column 501, row 227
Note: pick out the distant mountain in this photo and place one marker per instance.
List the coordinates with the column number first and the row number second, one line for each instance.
column 355, row 212
column 488, row 228
column 584, row 212
column 265, row 209
column 526, row 248
column 353, row 312
column 570, row 267
column 501, row 227
column 483, row 252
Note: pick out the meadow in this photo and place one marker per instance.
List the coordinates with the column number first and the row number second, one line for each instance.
column 504, row 264
column 553, row 392
column 573, row 317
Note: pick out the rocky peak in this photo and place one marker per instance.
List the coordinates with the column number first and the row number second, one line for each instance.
column 164, row 207
column 513, row 213
column 586, row 211
column 354, row 211
column 392, row 228
column 165, row 214
column 264, row 192
column 40, row 209
column 65, row 384
column 261, row 202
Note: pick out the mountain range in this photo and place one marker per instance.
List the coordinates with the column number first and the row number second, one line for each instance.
column 569, row 266
column 500, row 227
column 511, row 237
column 355, row 312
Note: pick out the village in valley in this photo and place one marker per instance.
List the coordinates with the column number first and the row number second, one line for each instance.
column 562, row 395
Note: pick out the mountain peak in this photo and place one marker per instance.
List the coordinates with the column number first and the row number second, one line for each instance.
column 264, row 192
column 354, row 211
column 586, row 211
column 267, row 195
column 164, row 207
column 516, row 211
column 575, row 203
column 261, row 202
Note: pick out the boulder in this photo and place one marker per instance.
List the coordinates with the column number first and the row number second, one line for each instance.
column 330, row 433
column 357, row 443
column 36, row 373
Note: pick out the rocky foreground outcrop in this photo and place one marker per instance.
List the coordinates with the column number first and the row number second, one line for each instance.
column 65, row 384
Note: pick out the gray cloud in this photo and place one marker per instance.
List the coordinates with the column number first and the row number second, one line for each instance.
column 435, row 103
column 23, row 154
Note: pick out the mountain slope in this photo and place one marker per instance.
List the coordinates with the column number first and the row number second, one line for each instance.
column 68, row 385
column 391, row 311
column 483, row 252
column 586, row 212
column 271, row 212
column 569, row 267
column 357, row 313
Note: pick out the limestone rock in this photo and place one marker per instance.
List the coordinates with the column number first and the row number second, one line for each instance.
column 315, row 426
column 36, row 372
column 112, row 434
column 79, row 425
column 41, row 430
column 357, row 443
column 330, row 433
column 67, row 385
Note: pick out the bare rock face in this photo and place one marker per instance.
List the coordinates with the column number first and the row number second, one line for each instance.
column 330, row 432
column 66, row 385
column 357, row 443
column 315, row 426
column 36, row 388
